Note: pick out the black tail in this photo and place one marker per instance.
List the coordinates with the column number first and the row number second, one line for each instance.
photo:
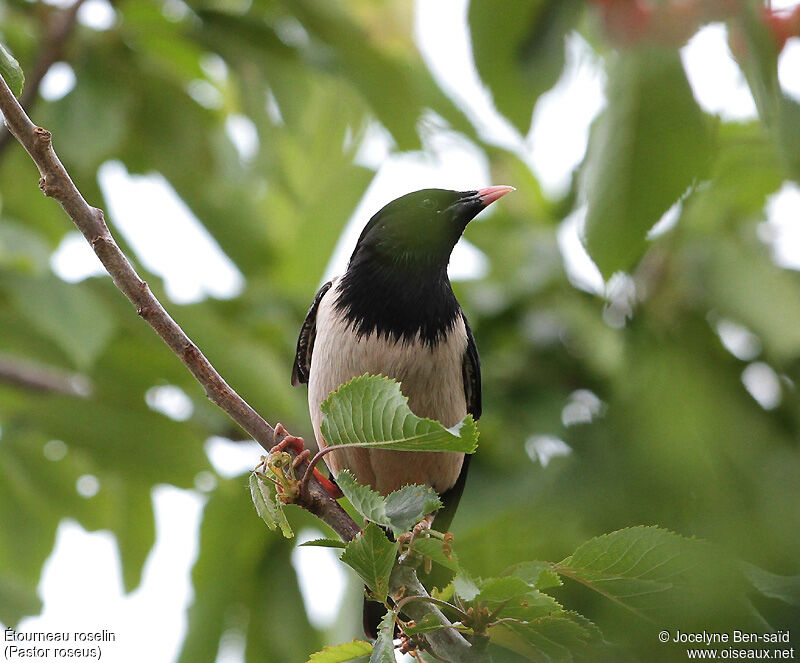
column 372, row 615
column 373, row 611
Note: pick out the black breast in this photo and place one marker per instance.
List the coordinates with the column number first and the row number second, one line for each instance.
column 398, row 303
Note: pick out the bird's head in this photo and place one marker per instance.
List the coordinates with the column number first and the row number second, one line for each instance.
column 420, row 229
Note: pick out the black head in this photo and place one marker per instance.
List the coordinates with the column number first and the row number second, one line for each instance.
column 420, row 229
column 396, row 282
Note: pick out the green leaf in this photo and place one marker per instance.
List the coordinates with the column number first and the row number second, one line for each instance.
column 100, row 429
column 133, row 527
column 276, row 506
column 784, row 588
column 260, row 502
column 384, row 645
column 346, row 651
column 399, row 510
column 386, row 421
column 466, row 588
column 70, row 315
column 366, row 501
column 268, row 506
column 744, row 284
column 235, row 564
column 519, row 51
column 746, row 170
column 11, row 71
column 17, row 598
column 552, row 639
column 432, row 548
column 427, row 624
column 496, row 590
column 324, row 543
column 372, row 556
column 659, row 575
column 540, row 575
column 530, row 607
column 22, row 249
column 648, row 146
column 407, row 506
column 393, row 80
column 759, row 62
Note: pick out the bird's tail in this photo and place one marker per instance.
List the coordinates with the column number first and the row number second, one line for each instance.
column 372, row 615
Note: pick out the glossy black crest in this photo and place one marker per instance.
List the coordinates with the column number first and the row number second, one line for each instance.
column 396, row 282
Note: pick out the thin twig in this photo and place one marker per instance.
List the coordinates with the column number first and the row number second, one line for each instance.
column 36, row 377
column 318, row 457
column 429, row 599
column 59, row 27
column 56, row 183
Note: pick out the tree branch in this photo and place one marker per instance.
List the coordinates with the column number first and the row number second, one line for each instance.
column 59, row 27
column 56, row 183
column 447, row 643
column 37, row 377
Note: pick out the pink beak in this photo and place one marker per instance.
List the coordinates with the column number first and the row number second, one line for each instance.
column 492, row 193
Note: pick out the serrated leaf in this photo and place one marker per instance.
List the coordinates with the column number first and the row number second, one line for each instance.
column 386, row 421
column 324, row 543
column 445, row 593
column 276, row 507
column 367, row 502
column 660, row 576
column 371, row 555
column 552, row 639
column 427, row 624
column 645, row 150
column 432, row 548
column 346, row 651
column 384, row 645
column 540, row 575
column 784, row 588
column 11, row 71
column 407, row 506
column 529, row 607
column 260, row 503
column 497, row 590
column 399, row 510
column 265, row 499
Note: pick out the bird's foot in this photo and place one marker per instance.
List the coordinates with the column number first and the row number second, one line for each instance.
column 303, row 455
column 296, row 444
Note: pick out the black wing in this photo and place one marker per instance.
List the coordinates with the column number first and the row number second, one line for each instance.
column 305, row 343
column 471, row 370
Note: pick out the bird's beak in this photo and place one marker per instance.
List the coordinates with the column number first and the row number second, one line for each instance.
column 491, row 193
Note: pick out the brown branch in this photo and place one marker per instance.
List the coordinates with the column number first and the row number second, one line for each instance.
column 56, row 183
column 59, row 27
column 446, row 644
column 36, row 377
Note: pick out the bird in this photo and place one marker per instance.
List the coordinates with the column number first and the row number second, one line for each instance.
column 393, row 313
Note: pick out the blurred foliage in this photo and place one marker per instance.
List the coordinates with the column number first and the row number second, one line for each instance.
column 636, row 381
